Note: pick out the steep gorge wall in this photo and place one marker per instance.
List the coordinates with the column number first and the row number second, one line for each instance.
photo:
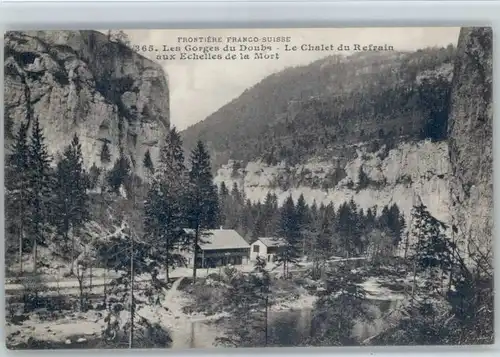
column 470, row 132
column 79, row 82
column 398, row 176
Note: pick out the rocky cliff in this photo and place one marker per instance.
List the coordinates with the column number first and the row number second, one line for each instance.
column 392, row 176
column 470, row 132
column 79, row 82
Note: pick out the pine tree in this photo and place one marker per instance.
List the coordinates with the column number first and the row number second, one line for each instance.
column 130, row 256
column 248, row 300
column 289, row 228
column 71, row 204
column 246, row 218
column 201, row 199
column 40, row 195
column 118, row 174
column 261, row 280
column 324, row 244
column 269, row 216
column 93, row 176
column 350, row 228
column 338, row 308
column 236, row 211
column 357, row 229
column 302, row 217
column 240, row 301
column 370, row 219
column 363, row 179
column 396, row 223
column 164, row 206
column 235, row 193
column 259, row 221
column 148, row 163
column 17, row 185
column 224, row 204
column 105, row 154
column 344, row 227
column 315, row 233
column 433, row 251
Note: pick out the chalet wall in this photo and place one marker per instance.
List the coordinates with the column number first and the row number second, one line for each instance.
column 262, row 250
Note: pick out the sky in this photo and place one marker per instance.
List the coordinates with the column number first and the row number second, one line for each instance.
column 198, row 88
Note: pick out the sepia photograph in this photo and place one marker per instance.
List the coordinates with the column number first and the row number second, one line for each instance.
column 237, row 188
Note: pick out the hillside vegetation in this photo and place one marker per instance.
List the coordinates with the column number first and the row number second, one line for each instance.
column 322, row 108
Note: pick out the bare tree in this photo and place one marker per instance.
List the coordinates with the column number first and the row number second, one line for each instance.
column 81, row 269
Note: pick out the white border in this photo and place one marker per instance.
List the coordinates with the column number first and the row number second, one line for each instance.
column 18, row 14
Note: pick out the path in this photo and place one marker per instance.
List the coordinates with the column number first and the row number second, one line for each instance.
column 179, row 273
column 172, row 297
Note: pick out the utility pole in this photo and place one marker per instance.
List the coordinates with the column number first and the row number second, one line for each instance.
column 21, row 250
column 265, row 326
column 131, row 336
column 90, row 275
column 132, row 309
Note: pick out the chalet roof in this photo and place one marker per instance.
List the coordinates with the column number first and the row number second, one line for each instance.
column 215, row 239
column 272, row 241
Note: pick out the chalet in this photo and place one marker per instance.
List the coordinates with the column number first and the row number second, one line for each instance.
column 267, row 247
column 219, row 247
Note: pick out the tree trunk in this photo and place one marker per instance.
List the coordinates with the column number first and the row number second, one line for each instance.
column 131, row 335
column 21, row 249
column 195, row 251
column 72, row 254
column 414, row 285
column 35, row 252
column 72, row 250
column 21, row 231
column 407, row 242
column 265, row 321
column 80, row 276
column 80, row 283
column 452, row 263
column 105, row 289
column 90, row 277
column 167, row 277
column 167, row 258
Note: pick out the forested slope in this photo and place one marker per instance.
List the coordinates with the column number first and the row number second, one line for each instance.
column 322, row 108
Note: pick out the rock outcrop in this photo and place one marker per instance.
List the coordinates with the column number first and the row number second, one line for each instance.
column 470, row 130
column 396, row 176
column 79, row 82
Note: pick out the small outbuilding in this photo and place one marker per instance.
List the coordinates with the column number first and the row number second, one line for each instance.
column 267, row 248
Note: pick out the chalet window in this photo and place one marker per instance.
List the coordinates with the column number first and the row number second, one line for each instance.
column 256, row 248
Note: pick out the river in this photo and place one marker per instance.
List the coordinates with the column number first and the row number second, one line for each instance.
column 286, row 328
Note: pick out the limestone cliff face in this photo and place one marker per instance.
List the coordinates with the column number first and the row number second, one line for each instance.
column 79, row 82
column 396, row 176
column 470, row 130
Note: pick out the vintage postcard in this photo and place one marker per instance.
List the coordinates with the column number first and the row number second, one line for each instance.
column 248, row 188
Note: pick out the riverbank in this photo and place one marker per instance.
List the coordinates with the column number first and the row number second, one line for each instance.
column 174, row 313
column 76, row 330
